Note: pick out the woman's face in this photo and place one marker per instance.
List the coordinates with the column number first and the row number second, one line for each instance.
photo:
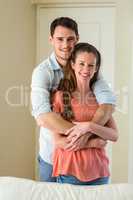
column 84, row 66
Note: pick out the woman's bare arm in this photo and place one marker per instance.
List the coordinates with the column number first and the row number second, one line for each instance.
column 108, row 132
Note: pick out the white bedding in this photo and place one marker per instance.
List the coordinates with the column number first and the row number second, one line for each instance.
column 12, row 188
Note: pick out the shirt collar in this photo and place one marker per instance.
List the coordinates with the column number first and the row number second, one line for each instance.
column 53, row 62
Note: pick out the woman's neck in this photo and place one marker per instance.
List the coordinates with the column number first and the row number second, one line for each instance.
column 82, row 92
column 83, row 88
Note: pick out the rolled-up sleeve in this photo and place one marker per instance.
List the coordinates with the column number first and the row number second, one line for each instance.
column 104, row 93
column 40, row 91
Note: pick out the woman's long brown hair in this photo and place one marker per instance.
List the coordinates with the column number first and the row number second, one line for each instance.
column 69, row 83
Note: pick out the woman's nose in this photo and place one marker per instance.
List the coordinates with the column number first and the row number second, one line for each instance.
column 86, row 68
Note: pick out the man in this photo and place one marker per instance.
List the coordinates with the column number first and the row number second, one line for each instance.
column 46, row 77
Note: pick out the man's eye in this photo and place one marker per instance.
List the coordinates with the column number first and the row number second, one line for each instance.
column 60, row 39
column 82, row 64
column 71, row 39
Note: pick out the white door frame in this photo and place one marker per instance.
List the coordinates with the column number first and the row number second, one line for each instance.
column 130, row 95
column 95, row 3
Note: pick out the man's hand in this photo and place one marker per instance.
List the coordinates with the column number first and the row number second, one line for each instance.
column 60, row 141
column 80, row 143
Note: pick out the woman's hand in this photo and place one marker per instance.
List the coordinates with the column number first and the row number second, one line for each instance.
column 78, row 130
column 80, row 143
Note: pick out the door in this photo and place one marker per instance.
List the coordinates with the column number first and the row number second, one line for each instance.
column 96, row 26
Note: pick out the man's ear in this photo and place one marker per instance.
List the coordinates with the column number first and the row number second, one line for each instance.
column 50, row 39
column 77, row 38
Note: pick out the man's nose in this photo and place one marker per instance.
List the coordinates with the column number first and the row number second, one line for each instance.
column 65, row 43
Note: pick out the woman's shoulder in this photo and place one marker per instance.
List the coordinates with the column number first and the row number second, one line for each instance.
column 57, row 97
column 58, row 93
column 57, row 103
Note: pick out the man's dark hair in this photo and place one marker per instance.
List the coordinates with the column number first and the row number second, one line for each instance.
column 65, row 22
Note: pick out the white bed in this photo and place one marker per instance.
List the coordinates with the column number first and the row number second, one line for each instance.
column 12, row 188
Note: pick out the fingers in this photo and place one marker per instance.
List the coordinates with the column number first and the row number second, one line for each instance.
column 71, row 148
column 74, row 148
column 72, row 141
column 69, row 139
column 76, row 123
column 69, row 131
column 72, row 145
column 68, row 146
column 74, row 133
column 71, row 136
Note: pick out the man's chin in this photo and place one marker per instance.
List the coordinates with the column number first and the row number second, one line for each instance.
column 65, row 58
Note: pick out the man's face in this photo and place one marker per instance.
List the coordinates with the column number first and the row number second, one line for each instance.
column 63, row 42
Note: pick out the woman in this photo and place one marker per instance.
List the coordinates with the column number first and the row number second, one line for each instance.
column 75, row 101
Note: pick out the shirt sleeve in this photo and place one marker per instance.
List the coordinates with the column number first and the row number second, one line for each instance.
column 40, row 91
column 103, row 92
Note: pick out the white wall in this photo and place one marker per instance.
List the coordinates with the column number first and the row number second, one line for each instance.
column 124, row 19
column 17, row 59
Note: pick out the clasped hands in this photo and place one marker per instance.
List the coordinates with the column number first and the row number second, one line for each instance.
column 77, row 136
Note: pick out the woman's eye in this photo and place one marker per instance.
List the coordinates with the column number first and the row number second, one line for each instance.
column 82, row 64
column 91, row 66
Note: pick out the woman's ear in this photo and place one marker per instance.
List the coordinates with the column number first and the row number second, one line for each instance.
column 96, row 68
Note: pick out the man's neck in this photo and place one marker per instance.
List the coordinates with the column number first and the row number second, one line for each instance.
column 61, row 62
